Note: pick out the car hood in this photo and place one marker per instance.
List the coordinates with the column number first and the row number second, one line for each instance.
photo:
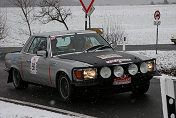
column 103, row 58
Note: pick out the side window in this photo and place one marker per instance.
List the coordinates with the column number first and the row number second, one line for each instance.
column 39, row 43
column 62, row 42
column 59, row 45
column 93, row 41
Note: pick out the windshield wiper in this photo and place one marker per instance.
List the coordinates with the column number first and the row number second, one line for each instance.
column 97, row 47
column 93, row 48
column 103, row 47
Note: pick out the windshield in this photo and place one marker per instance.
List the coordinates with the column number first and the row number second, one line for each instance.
column 76, row 43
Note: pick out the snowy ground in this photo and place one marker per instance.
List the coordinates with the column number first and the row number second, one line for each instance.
column 136, row 21
column 10, row 110
column 165, row 59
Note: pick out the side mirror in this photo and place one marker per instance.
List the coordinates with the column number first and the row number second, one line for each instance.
column 42, row 53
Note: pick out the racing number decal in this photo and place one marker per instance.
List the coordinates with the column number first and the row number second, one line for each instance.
column 33, row 65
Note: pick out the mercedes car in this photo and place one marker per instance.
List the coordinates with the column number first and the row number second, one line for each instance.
column 67, row 60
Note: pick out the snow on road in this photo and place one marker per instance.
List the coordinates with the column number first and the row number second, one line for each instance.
column 10, row 110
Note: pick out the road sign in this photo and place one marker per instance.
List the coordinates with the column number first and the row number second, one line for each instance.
column 87, row 4
column 157, row 22
column 91, row 10
column 157, row 15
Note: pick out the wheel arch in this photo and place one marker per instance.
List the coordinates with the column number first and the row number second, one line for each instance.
column 10, row 77
column 60, row 73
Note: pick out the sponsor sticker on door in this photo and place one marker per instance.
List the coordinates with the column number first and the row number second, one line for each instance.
column 33, row 65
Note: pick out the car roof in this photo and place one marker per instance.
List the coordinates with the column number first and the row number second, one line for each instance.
column 61, row 33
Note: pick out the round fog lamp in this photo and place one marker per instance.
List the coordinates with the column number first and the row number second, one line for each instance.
column 118, row 71
column 144, row 67
column 105, row 72
column 133, row 69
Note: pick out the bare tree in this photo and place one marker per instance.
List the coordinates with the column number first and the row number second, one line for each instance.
column 26, row 7
column 51, row 10
column 113, row 32
column 3, row 28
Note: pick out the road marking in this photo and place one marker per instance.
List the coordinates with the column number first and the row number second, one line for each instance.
column 56, row 110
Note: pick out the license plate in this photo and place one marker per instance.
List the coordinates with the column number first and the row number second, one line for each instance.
column 121, row 81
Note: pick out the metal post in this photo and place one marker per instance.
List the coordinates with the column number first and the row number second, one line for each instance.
column 86, row 21
column 168, row 97
column 157, row 40
column 89, row 22
column 124, row 41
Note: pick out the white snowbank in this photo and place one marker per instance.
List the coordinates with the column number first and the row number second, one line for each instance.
column 165, row 59
column 10, row 110
column 136, row 21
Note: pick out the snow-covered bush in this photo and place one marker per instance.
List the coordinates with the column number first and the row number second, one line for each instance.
column 165, row 60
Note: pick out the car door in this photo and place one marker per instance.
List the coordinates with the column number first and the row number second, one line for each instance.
column 33, row 64
column 40, row 64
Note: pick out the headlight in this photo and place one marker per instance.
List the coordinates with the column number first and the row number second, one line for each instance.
column 118, row 71
column 144, row 67
column 90, row 73
column 151, row 66
column 133, row 69
column 105, row 72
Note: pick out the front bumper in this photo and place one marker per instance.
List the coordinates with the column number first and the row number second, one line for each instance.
column 173, row 40
column 138, row 79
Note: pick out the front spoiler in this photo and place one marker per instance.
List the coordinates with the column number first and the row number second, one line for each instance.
column 173, row 40
column 137, row 79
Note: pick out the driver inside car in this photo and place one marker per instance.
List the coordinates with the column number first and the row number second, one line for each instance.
column 54, row 47
column 79, row 44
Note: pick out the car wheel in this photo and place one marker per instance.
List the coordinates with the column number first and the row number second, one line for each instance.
column 65, row 88
column 140, row 90
column 17, row 80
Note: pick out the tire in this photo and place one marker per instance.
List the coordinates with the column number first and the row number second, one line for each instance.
column 17, row 80
column 65, row 88
column 140, row 90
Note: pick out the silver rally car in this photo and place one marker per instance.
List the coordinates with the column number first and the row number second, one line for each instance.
column 78, row 59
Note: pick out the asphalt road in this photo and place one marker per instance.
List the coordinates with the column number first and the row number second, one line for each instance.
column 105, row 106
column 163, row 47
column 119, row 47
